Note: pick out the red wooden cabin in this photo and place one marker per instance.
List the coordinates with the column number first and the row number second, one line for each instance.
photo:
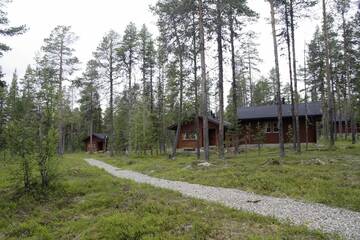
column 260, row 118
column 99, row 142
column 188, row 137
column 264, row 118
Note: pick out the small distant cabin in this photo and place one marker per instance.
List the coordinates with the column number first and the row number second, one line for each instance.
column 99, row 141
column 188, row 136
column 264, row 118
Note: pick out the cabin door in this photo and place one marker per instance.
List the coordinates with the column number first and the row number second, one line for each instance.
column 212, row 137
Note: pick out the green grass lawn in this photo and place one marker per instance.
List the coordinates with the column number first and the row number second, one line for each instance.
column 90, row 204
column 318, row 175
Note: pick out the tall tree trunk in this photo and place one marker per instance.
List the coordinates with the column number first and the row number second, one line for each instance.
column 334, row 104
column 233, row 83
column 347, row 115
column 61, row 103
column 151, row 106
column 349, row 100
column 91, row 120
column 219, row 8
column 288, row 43
column 328, row 77
column 161, row 110
column 151, row 89
column 347, row 82
column 325, row 118
column 145, row 96
column 352, row 115
column 129, row 149
column 250, row 75
column 297, row 125
column 306, row 105
column 353, row 128
column 338, row 123
column 91, row 135
column 196, row 119
column 277, row 70
column 112, row 134
column 180, row 52
column 204, row 83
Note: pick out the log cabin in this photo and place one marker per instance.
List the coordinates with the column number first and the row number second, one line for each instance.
column 188, row 137
column 99, row 142
column 264, row 118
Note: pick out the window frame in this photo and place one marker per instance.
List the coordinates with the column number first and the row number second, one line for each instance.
column 275, row 125
column 268, row 127
column 189, row 136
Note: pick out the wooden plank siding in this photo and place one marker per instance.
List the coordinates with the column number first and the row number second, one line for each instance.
column 272, row 137
column 190, row 127
column 250, row 118
column 99, row 144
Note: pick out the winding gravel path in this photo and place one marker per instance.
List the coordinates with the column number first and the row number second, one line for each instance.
column 316, row 216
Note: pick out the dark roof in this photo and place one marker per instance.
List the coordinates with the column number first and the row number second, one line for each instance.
column 270, row 111
column 217, row 121
column 101, row 136
column 210, row 119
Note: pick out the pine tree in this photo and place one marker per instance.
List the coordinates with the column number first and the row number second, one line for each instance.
column 108, row 62
column 21, row 129
column 222, row 9
column 277, row 71
column 204, row 84
column 291, row 75
column 355, row 23
column 219, row 30
column 195, row 84
column 234, row 85
column 161, row 60
column 3, row 98
column 251, row 60
column 147, row 58
column 343, row 7
column 89, row 100
column 262, row 92
column 6, row 30
column 47, row 106
column 13, row 98
column 129, row 56
column 60, row 56
column 173, row 22
column 330, row 103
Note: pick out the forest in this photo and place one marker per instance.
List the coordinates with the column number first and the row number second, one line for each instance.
column 97, row 149
column 139, row 83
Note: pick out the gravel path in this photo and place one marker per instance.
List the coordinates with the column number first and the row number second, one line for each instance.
column 316, row 216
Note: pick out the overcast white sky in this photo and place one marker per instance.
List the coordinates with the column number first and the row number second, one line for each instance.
column 90, row 19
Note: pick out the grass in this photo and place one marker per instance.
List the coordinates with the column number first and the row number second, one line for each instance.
column 87, row 203
column 331, row 177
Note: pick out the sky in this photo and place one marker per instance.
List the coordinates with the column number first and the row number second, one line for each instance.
column 91, row 19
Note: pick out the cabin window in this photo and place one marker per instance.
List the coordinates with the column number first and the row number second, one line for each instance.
column 275, row 127
column 271, row 127
column 267, row 127
column 190, row 136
